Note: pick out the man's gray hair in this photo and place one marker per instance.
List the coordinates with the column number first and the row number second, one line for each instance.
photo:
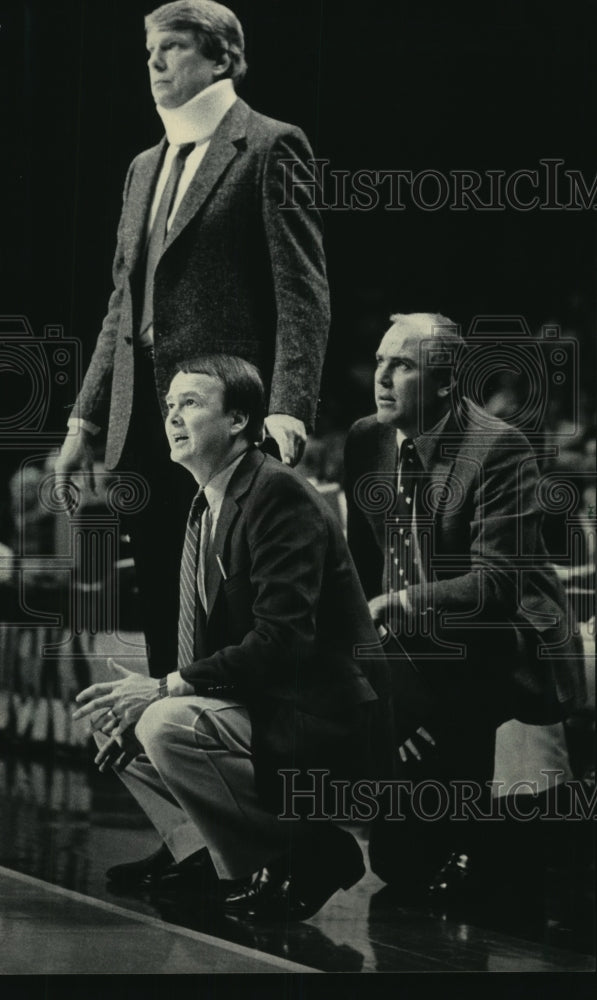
column 451, row 346
column 216, row 28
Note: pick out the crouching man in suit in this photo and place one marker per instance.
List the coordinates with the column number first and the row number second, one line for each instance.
column 271, row 611
column 444, row 526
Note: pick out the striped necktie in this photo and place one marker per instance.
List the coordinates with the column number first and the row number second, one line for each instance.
column 188, row 582
column 157, row 236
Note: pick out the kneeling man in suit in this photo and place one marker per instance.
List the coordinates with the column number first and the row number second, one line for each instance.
column 444, row 525
column 271, row 610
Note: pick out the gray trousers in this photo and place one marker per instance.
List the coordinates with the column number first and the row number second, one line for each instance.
column 196, row 784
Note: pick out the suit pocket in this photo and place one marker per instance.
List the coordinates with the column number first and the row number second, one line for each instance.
column 238, row 599
column 236, row 580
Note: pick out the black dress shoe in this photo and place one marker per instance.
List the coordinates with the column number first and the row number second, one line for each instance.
column 335, row 863
column 300, row 897
column 137, row 873
column 297, row 901
column 195, row 870
column 455, row 882
column 251, row 893
column 158, row 867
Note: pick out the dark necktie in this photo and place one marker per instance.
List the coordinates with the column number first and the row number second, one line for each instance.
column 157, row 236
column 404, row 552
column 188, row 582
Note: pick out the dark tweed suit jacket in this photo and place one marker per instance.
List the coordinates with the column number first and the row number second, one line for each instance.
column 281, row 629
column 238, row 275
column 487, row 566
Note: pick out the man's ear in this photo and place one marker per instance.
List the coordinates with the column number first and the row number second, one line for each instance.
column 222, row 65
column 239, row 422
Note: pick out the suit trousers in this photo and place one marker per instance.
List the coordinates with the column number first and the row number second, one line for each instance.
column 451, row 787
column 195, row 781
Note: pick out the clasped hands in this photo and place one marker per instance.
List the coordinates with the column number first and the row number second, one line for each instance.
column 113, row 708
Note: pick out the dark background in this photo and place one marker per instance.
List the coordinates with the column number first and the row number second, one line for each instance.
column 376, row 85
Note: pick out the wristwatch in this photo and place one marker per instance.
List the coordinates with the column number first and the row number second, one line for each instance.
column 163, row 687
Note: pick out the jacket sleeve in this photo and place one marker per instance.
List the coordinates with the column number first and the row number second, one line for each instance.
column 503, row 530
column 290, row 192
column 287, row 539
column 93, row 400
column 367, row 556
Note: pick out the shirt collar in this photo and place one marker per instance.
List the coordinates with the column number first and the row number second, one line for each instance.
column 423, row 442
column 215, row 489
column 197, row 120
column 400, row 437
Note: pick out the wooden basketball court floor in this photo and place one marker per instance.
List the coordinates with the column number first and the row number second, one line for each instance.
column 62, row 826
column 51, row 930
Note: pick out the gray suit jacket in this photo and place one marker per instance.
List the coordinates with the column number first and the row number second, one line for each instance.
column 238, row 275
column 487, row 567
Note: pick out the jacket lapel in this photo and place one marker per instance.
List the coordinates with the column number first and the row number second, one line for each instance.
column 386, row 468
column 201, row 648
column 223, row 148
column 437, row 453
column 231, row 507
column 387, row 459
column 140, row 197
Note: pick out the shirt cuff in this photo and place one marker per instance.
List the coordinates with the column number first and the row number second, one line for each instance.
column 177, row 686
column 76, row 424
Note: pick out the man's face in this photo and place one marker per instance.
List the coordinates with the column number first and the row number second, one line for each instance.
column 197, row 427
column 405, row 391
column 177, row 69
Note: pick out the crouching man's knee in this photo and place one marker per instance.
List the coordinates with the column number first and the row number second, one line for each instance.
column 150, row 727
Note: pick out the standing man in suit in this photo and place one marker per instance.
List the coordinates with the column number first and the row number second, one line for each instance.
column 445, row 530
column 206, row 261
column 271, row 611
